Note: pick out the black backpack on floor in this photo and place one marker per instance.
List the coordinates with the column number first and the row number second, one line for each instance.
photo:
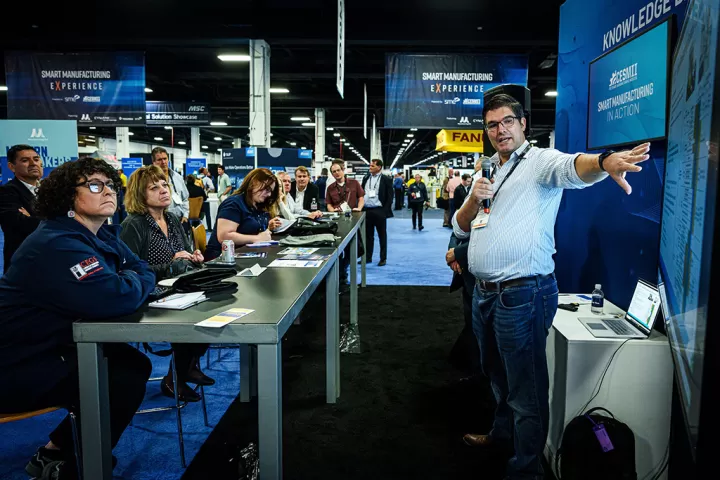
column 587, row 454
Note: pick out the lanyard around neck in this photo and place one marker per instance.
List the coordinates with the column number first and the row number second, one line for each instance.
column 517, row 162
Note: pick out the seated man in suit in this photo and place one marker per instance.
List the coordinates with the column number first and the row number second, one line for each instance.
column 17, row 217
column 303, row 192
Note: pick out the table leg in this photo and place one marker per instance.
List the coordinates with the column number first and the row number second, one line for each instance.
column 94, row 412
column 353, row 280
column 363, row 265
column 270, row 411
column 245, row 369
column 332, row 320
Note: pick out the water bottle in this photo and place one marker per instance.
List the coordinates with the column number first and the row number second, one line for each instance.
column 313, row 205
column 598, row 300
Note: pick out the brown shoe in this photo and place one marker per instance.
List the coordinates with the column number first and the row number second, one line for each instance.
column 475, row 440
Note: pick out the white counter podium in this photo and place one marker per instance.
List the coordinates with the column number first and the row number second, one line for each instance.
column 637, row 387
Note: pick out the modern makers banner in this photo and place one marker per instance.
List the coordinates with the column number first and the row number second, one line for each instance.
column 468, row 141
column 174, row 113
column 445, row 91
column 91, row 88
column 54, row 140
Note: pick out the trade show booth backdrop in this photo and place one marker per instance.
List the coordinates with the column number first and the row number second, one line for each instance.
column 602, row 235
column 55, row 141
column 238, row 162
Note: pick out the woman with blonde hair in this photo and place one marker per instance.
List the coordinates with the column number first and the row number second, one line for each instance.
column 249, row 215
column 156, row 236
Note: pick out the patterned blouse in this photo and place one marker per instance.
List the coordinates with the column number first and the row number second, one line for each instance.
column 162, row 248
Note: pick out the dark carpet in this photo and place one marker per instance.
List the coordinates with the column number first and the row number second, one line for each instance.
column 403, row 409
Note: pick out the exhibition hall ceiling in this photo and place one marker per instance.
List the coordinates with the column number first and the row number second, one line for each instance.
column 183, row 38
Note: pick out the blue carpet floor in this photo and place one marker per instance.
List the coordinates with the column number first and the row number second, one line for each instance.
column 414, row 257
column 148, row 449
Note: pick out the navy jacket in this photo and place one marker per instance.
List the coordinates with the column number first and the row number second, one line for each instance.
column 16, row 226
column 62, row 273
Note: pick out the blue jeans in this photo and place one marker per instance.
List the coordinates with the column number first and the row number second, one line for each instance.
column 511, row 327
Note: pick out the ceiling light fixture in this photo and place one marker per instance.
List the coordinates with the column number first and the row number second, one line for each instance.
column 413, row 129
column 410, row 135
column 300, row 119
column 3, row 88
column 234, row 57
column 159, row 139
column 551, row 93
column 279, row 90
column 204, row 146
column 219, row 149
column 218, row 124
column 329, row 129
column 93, row 128
column 336, row 134
column 308, row 124
column 182, row 143
column 303, row 148
column 168, row 128
column 148, row 90
column 129, row 133
column 217, row 139
column 293, row 144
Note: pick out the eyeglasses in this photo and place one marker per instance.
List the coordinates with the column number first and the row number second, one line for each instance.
column 507, row 122
column 98, row 186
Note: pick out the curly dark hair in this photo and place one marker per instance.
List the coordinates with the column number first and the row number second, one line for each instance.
column 56, row 195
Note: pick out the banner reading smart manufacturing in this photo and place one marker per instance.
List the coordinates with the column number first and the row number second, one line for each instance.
column 54, row 140
column 90, row 88
column 445, row 91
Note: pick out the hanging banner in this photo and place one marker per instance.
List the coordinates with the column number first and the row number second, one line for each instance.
column 129, row 165
column 468, row 141
column 365, row 112
column 54, row 140
column 175, row 113
column 445, row 91
column 193, row 165
column 237, row 164
column 340, row 77
column 91, row 88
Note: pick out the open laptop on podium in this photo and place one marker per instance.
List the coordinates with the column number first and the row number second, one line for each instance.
column 638, row 321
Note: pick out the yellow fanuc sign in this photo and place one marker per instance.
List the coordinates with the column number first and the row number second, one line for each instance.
column 467, row 141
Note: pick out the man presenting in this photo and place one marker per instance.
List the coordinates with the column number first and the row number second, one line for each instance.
column 180, row 204
column 17, row 217
column 378, row 208
column 510, row 255
column 303, row 192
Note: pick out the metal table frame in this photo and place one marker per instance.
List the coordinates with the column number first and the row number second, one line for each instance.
column 92, row 366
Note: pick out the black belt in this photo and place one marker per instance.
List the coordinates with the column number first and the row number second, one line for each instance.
column 517, row 282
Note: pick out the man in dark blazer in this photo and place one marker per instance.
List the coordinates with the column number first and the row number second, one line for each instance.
column 461, row 191
column 303, row 191
column 378, row 208
column 17, row 217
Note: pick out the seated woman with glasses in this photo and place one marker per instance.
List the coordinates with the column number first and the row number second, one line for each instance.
column 289, row 209
column 157, row 237
column 249, row 214
column 74, row 266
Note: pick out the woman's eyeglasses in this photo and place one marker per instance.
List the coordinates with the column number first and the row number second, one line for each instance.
column 98, row 186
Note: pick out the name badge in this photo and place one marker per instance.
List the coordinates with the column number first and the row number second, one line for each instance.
column 481, row 220
column 371, row 193
column 345, row 207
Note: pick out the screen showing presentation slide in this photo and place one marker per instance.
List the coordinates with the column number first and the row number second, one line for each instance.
column 645, row 304
column 686, row 232
column 628, row 91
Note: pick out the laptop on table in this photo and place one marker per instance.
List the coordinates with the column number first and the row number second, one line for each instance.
column 638, row 320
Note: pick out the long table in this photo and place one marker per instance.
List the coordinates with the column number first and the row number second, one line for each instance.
column 277, row 296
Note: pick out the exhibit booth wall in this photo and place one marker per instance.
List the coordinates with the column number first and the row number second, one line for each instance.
column 603, row 235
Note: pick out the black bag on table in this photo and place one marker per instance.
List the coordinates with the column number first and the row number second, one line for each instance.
column 208, row 280
column 306, row 226
column 596, row 447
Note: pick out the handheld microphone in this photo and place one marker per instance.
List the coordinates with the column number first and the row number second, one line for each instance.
column 486, row 173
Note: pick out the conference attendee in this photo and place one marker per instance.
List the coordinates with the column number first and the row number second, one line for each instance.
column 344, row 195
column 417, row 198
column 399, row 189
column 206, row 177
column 516, row 296
column 180, row 206
column 462, row 190
column 378, row 208
column 17, row 215
column 245, row 217
column 155, row 235
column 91, row 275
column 224, row 184
column 196, row 191
column 321, row 183
column 453, row 183
column 305, row 194
column 444, row 202
column 123, row 178
column 289, row 209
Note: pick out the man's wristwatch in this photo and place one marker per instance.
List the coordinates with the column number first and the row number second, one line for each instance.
column 602, row 158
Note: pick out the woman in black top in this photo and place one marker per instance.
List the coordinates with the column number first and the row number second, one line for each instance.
column 157, row 237
column 417, row 197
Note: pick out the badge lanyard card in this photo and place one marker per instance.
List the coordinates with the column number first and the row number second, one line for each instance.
column 483, row 216
column 344, row 206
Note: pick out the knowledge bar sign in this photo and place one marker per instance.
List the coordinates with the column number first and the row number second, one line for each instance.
column 92, row 88
column 445, row 91
column 175, row 113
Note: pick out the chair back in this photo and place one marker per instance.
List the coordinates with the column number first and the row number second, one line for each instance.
column 195, row 207
column 200, row 237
